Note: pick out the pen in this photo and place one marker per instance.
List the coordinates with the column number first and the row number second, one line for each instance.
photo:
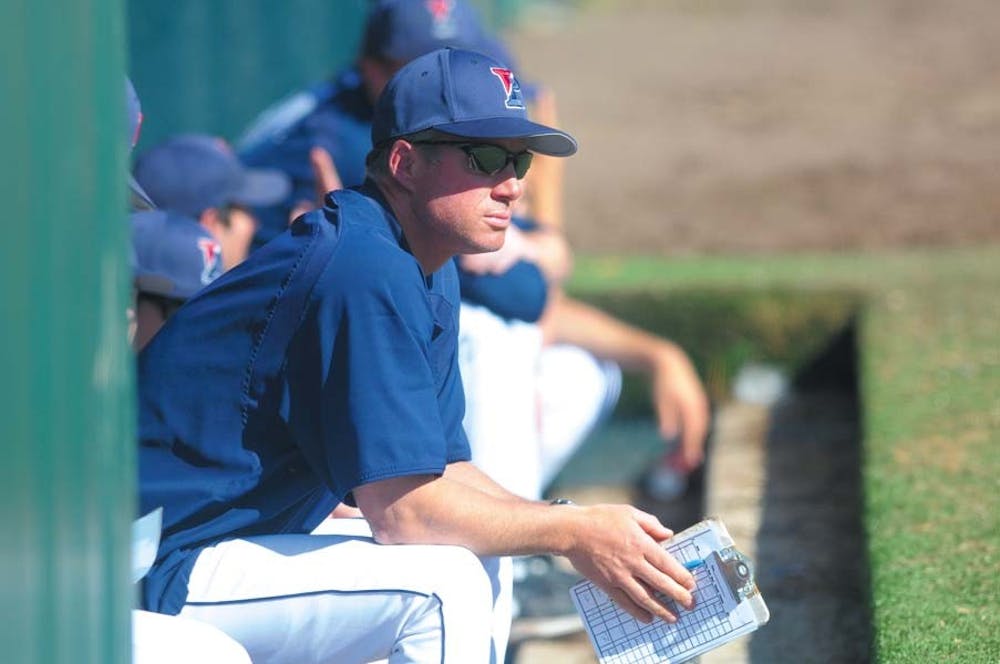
column 694, row 564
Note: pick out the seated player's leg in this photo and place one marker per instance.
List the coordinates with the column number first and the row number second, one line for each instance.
column 498, row 360
column 161, row 639
column 499, row 570
column 577, row 391
column 302, row 598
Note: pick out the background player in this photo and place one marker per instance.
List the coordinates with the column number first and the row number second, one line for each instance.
column 199, row 176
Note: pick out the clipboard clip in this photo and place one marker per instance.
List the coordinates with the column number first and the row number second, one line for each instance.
column 738, row 572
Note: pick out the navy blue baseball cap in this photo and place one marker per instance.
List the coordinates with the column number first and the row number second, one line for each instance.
column 133, row 114
column 494, row 47
column 465, row 94
column 400, row 30
column 190, row 173
column 173, row 256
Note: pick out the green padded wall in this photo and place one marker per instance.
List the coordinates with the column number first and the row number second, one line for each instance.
column 66, row 422
column 213, row 65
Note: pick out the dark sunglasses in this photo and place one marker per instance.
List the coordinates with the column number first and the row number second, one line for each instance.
column 489, row 159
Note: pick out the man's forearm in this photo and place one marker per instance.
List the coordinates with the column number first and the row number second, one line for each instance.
column 464, row 508
column 573, row 322
column 616, row 546
column 467, row 473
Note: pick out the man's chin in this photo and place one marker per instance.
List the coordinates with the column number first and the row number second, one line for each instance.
column 489, row 244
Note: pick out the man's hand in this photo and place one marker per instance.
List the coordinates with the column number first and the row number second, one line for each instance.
column 326, row 177
column 618, row 549
column 681, row 405
column 679, row 399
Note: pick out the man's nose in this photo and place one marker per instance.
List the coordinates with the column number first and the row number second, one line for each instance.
column 510, row 188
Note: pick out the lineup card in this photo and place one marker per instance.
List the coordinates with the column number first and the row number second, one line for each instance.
column 718, row 616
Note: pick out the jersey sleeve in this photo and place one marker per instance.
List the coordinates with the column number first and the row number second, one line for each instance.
column 520, row 293
column 376, row 362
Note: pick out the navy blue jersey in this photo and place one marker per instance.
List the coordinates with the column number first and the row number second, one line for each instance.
column 335, row 115
column 324, row 362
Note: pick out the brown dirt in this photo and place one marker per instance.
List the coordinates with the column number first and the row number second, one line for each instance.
column 727, row 126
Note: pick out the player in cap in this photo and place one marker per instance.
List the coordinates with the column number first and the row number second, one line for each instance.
column 332, row 119
column 325, row 370
column 174, row 258
column 535, row 387
column 200, row 176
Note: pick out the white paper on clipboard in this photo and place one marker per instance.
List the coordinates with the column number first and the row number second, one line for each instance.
column 727, row 605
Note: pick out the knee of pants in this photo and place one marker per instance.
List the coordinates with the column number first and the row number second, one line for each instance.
column 458, row 576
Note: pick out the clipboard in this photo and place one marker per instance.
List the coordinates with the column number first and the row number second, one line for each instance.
column 728, row 605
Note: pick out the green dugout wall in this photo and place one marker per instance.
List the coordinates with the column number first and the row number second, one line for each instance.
column 66, row 478
column 212, row 65
column 67, row 475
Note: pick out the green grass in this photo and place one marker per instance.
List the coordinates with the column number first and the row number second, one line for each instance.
column 929, row 325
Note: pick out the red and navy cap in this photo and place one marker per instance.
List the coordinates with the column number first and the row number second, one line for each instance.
column 462, row 93
column 400, row 30
column 190, row 173
column 174, row 256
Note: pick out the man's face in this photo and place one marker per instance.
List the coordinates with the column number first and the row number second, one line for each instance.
column 463, row 211
column 233, row 227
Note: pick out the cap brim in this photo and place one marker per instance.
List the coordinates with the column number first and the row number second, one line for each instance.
column 262, row 188
column 139, row 199
column 156, row 284
column 540, row 139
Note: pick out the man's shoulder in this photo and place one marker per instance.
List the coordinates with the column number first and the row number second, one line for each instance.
column 370, row 239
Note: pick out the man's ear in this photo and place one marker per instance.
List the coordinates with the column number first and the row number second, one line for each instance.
column 404, row 162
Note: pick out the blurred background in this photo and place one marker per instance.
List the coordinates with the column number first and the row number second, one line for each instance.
column 706, row 127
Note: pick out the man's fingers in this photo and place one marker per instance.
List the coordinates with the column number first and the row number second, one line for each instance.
column 695, row 428
column 642, row 596
column 668, row 417
column 652, row 525
column 669, row 576
column 624, row 601
column 677, row 584
column 325, row 173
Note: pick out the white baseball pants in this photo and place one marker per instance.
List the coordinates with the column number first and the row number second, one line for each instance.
column 343, row 598
column 528, row 407
column 160, row 639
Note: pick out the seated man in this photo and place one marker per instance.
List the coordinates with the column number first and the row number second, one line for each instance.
column 534, row 386
column 325, row 370
column 201, row 177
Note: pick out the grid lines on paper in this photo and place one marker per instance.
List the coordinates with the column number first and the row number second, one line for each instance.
column 620, row 639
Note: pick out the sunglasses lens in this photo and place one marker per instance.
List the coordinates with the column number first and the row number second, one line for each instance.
column 488, row 158
column 522, row 161
column 491, row 159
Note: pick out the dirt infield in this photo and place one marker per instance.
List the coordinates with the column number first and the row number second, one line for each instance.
column 775, row 125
